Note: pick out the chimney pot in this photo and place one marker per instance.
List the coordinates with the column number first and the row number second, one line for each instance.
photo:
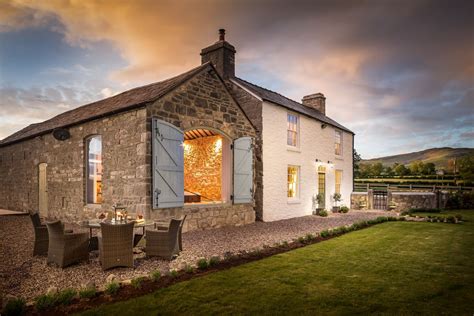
column 221, row 34
column 315, row 101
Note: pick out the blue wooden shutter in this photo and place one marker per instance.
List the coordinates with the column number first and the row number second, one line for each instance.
column 243, row 170
column 168, row 165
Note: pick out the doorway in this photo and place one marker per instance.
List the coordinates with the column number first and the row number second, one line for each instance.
column 322, row 185
column 42, row 189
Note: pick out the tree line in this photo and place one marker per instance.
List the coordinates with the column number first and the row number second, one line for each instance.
column 462, row 167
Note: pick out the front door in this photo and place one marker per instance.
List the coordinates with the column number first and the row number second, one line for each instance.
column 42, row 189
column 322, row 188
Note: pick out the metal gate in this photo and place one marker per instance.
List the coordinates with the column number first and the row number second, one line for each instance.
column 380, row 200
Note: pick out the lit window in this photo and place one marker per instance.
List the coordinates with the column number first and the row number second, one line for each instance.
column 292, row 130
column 338, row 143
column 94, row 170
column 338, row 181
column 293, row 181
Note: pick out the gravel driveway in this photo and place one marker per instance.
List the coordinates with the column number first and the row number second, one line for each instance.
column 21, row 274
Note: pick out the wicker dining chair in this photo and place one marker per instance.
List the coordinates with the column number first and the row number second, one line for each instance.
column 66, row 248
column 41, row 235
column 164, row 244
column 116, row 245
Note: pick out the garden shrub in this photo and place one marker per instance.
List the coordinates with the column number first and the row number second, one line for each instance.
column 65, row 297
column 402, row 219
column 112, row 288
column 458, row 216
column 214, row 261
column 188, row 268
column 310, row 237
column 344, row 209
column 323, row 213
column 16, row 306
column 202, row 264
column 155, row 275
column 89, row 292
column 460, row 200
column 301, row 239
column 324, row 233
column 44, row 302
column 137, row 282
column 285, row 243
column 174, row 274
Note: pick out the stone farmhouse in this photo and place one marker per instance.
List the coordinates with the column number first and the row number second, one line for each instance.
column 204, row 143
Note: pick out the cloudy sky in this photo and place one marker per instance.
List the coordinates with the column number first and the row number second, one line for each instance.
column 399, row 73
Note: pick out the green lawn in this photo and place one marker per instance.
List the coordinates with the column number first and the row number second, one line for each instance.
column 391, row 268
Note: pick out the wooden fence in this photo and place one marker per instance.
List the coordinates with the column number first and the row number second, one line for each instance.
column 364, row 187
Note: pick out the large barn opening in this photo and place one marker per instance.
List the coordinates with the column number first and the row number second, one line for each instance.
column 207, row 167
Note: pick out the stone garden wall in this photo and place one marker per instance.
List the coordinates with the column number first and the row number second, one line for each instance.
column 400, row 201
column 403, row 201
column 359, row 201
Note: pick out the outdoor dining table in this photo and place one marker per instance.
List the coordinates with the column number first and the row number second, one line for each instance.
column 95, row 224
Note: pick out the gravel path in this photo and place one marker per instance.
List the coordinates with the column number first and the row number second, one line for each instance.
column 21, row 274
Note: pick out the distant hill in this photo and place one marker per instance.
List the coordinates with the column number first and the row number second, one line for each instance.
column 438, row 156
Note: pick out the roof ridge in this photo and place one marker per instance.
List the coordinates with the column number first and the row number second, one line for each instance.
column 253, row 84
column 123, row 101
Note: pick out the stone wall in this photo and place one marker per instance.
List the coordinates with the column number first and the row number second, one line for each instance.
column 359, row 201
column 209, row 216
column 125, row 170
column 202, row 101
column 400, row 201
column 403, row 201
column 203, row 167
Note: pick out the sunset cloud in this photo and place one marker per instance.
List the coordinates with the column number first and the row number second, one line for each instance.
column 405, row 69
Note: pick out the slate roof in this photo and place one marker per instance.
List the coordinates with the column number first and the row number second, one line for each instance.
column 124, row 101
column 281, row 100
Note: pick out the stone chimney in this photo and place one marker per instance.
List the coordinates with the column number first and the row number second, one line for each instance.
column 315, row 101
column 222, row 55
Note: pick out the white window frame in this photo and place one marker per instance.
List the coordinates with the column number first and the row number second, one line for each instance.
column 341, row 141
column 297, row 131
column 296, row 198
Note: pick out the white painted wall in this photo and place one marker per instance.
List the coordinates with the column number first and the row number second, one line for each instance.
column 315, row 143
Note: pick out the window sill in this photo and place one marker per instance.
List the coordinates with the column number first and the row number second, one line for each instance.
column 93, row 206
column 206, row 205
column 294, row 149
column 339, row 157
column 295, row 201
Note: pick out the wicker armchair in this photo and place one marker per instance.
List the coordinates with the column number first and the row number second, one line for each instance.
column 41, row 235
column 66, row 248
column 116, row 245
column 165, row 244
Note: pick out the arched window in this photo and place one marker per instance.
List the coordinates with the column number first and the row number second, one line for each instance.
column 94, row 170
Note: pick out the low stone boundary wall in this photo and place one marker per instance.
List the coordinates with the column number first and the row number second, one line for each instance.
column 400, row 200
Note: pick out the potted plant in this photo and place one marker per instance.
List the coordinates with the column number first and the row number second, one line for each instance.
column 337, row 198
column 318, row 199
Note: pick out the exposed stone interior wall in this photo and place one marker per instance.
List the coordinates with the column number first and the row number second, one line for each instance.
column 203, row 167
column 202, row 102
column 125, row 175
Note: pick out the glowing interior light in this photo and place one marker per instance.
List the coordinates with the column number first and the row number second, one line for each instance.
column 218, row 145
